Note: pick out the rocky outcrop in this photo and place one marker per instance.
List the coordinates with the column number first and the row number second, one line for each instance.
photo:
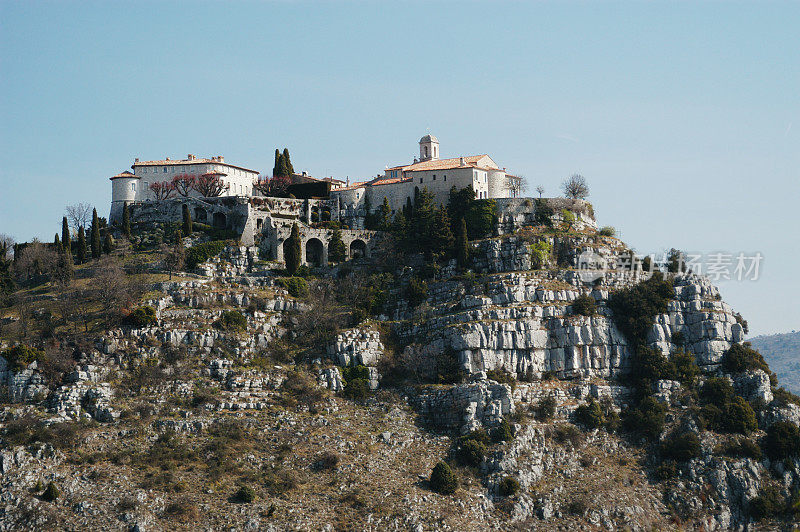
column 358, row 346
column 464, row 407
column 23, row 385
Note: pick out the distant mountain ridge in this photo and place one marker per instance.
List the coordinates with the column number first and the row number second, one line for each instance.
column 782, row 353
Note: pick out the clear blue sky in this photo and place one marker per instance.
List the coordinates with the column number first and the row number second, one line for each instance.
column 684, row 117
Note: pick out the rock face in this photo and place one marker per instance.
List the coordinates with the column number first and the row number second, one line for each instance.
column 24, row 385
column 465, row 407
column 522, row 322
column 356, row 347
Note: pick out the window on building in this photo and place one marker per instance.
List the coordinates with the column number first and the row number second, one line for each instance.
column 165, row 169
column 434, row 177
column 133, row 187
column 420, row 180
column 444, row 177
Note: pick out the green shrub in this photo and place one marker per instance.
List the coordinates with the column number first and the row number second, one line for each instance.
column 51, row 493
column 543, row 215
column 681, row 447
column 231, row 320
column 296, row 286
column 769, row 503
column 666, row 470
column 741, row 357
column 546, row 408
column 566, row 433
column 245, row 494
column 141, row 317
column 635, row 308
column 584, row 305
column 479, row 436
column 356, row 389
column 471, row 452
column 717, row 391
column 503, row 377
column 443, row 480
column 540, row 253
column 647, row 366
column 784, row 397
column 502, row 432
column 740, row 448
column 200, row 253
column 686, row 368
column 646, row 419
column 589, row 415
column 417, row 291
column 508, row 487
column 782, row 441
column 739, row 416
column 20, row 356
column 711, row 417
column 607, row 231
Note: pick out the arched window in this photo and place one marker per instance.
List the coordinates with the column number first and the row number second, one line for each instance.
column 426, row 151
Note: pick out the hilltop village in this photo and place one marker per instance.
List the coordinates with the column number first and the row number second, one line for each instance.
column 425, row 350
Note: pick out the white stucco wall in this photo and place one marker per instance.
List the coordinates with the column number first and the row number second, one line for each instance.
column 239, row 180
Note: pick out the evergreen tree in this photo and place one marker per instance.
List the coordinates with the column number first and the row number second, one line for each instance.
column 126, row 221
column 176, row 258
column 419, row 238
column 187, row 221
column 57, row 243
column 65, row 238
column 337, row 251
column 81, row 245
column 276, row 168
column 108, row 243
column 408, row 209
column 384, row 216
column 441, row 237
column 63, row 272
column 95, row 242
column 462, row 245
column 287, row 161
column 283, row 169
column 293, row 252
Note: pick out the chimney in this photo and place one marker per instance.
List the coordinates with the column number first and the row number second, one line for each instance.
column 220, row 158
column 461, row 161
column 167, row 158
column 136, row 160
column 190, row 157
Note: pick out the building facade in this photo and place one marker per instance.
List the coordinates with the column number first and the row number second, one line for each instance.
column 399, row 184
column 134, row 187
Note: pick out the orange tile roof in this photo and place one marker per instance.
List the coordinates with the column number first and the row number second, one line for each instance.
column 182, row 162
column 444, row 164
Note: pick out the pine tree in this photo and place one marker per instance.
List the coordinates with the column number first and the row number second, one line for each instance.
column 95, row 242
column 57, row 243
column 187, row 221
column 337, row 251
column 126, row 221
column 288, row 162
column 108, row 243
column 276, row 168
column 293, row 252
column 441, row 237
column 81, row 245
column 384, row 216
column 462, row 245
column 65, row 238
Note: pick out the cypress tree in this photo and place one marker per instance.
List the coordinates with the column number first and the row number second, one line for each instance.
column 337, row 251
column 65, row 238
column 57, row 243
column 81, row 245
column 283, row 169
column 108, row 243
column 293, row 251
column 126, row 221
column 462, row 246
column 441, row 237
column 95, row 243
column 276, row 168
column 288, row 162
column 187, row 220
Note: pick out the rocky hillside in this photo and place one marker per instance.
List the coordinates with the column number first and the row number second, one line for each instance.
column 516, row 390
column 782, row 352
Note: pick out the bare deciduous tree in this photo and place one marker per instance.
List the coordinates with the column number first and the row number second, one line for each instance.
column 35, row 261
column 516, row 185
column 6, row 246
column 540, row 190
column 575, row 187
column 210, row 185
column 183, row 184
column 79, row 214
column 162, row 189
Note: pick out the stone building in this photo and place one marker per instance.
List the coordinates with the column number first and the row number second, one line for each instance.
column 134, row 187
column 399, row 184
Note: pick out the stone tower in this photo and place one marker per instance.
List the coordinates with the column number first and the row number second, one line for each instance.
column 428, row 148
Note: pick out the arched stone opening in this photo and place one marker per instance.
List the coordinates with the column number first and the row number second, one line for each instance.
column 220, row 220
column 200, row 215
column 358, row 249
column 315, row 252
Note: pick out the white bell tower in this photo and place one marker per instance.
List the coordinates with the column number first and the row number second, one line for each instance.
column 428, row 148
